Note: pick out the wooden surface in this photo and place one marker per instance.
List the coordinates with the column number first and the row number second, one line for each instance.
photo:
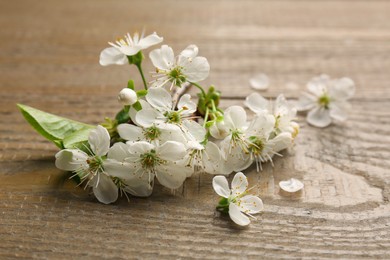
column 49, row 60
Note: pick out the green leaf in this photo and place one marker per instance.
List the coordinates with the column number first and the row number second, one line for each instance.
column 77, row 139
column 52, row 127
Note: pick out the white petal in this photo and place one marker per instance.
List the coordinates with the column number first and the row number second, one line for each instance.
column 262, row 126
column 112, row 56
column 219, row 130
column 235, row 117
column 71, row 160
column 283, row 108
column 160, row 99
column 281, row 141
column 215, row 158
column 190, row 52
column 342, row 89
column 172, row 175
column 148, row 117
column 197, row 70
column 171, row 132
column 130, row 132
column 104, row 189
column 186, row 104
column 259, row 82
column 140, row 187
column 139, row 148
column 99, row 140
column 256, row 103
column 120, row 169
column 239, row 184
column 171, row 151
column 211, row 159
column 119, row 151
column 150, row 40
column 235, row 158
column 291, row 185
column 221, row 186
column 163, row 58
column 196, row 131
column 133, row 112
column 130, row 50
column 251, row 204
column 236, row 215
column 306, row 102
column 243, row 163
column 318, row 85
column 337, row 112
column 319, row 117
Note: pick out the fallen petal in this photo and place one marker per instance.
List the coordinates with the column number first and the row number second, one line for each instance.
column 291, row 185
column 259, row 82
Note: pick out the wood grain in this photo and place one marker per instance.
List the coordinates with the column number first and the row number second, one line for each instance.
column 49, row 60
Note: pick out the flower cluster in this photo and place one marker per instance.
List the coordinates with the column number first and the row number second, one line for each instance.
column 155, row 136
column 163, row 134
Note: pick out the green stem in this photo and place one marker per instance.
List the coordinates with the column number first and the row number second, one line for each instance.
column 213, row 105
column 206, row 117
column 142, row 74
column 199, row 87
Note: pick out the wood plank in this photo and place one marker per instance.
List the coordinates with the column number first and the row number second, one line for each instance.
column 343, row 210
column 49, row 59
column 285, row 39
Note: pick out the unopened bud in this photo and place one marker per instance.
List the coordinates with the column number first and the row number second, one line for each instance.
column 127, row 97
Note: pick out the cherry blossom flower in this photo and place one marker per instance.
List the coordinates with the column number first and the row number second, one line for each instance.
column 139, row 185
column 202, row 153
column 250, row 142
column 186, row 67
column 327, row 100
column 145, row 161
column 162, row 110
column 155, row 133
column 235, row 201
column 89, row 167
column 283, row 111
column 127, row 46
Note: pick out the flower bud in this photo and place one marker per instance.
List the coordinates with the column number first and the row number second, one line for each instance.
column 127, row 97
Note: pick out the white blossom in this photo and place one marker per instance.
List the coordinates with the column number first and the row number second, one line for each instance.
column 203, row 154
column 326, row 100
column 186, row 67
column 116, row 165
column 250, row 142
column 145, row 161
column 127, row 46
column 89, row 167
column 162, row 110
column 283, row 111
column 236, row 202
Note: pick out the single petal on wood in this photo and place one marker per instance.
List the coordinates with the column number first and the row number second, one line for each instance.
column 291, row 185
column 259, row 82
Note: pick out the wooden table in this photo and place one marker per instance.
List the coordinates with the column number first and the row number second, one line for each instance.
column 49, row 54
